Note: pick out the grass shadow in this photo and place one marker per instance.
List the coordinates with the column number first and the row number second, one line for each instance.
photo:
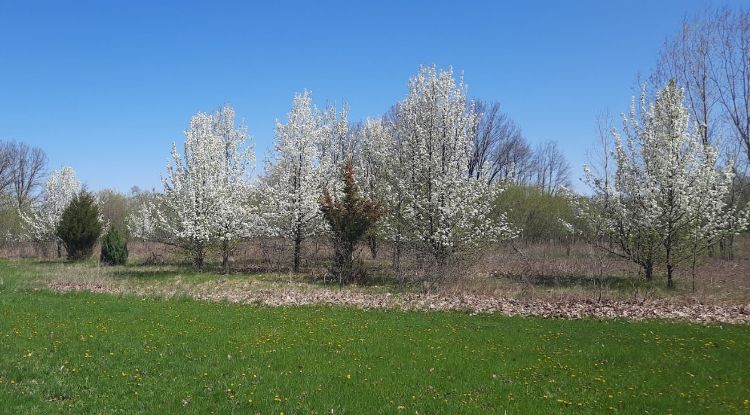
column 614, row 282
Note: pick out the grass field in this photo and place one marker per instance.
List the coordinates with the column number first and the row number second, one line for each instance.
column 87, row 353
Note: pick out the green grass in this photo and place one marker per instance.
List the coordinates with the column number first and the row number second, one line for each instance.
column 85, row 353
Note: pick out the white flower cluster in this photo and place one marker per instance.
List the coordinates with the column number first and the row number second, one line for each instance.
column 41, row 221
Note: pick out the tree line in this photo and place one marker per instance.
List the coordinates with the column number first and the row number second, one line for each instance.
column 443, row 175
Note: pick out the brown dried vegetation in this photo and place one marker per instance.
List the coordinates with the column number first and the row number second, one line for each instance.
column 548, row 280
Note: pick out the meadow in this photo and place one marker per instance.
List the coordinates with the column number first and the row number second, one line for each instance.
column 455, row 221
column 101, row 353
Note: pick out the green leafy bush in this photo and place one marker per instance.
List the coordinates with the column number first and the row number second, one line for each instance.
column 540, row 216
column 114, row 247
column 79, row 227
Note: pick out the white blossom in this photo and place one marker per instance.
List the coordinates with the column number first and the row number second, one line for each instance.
column 41, row 222
column 291, row 190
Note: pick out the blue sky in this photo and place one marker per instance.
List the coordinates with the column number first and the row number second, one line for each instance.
column 106, row 87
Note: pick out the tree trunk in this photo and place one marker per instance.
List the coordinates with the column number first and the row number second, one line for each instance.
column 373, row 243
column 59, row 250
column 349, row 260
column 397, row 260
column 225, row 257
column 692, row 273
column 198, row 256
column 297, row 249
column 670, row 283
column 670, row 264
column 727, row 246
column 441, row 258
column 648, row 270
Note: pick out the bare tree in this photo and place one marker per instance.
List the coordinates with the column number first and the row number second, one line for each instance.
column 551, row 169
column 688, row 59
column 600, row 161
column 515, row 160
column 27, row 171
column 6, row 167
column 731, row 70
column 497, row 143
column 484, row 137
column 710, row 59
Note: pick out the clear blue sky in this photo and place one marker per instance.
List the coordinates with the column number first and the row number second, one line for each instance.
column 106, row 87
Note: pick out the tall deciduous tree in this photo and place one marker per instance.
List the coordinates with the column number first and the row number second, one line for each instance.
column 668, row 197
column 236, row 218
column 291, row 188
column 497, row 143
column 337, row 144
column 437, row 205
column 551, row 171
column 731, row 70
column 687, row 58
column 373, row 167
column 192, row 188
column 27, row 172
column 710, row 58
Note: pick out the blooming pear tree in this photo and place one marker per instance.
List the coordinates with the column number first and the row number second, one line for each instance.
column 292, row 186
column 434, row 202
column 372, row 162
column 205, row 190
column 235, row 217
column 385, row 165
column 668, row 199
column 41, row 222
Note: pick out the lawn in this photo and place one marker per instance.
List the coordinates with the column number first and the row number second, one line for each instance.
column 98, row 353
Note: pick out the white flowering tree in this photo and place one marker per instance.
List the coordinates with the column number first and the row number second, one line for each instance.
column 292, row 187
column 375, row 144
column 192, row 189
column 433, row 201
column 205, row 191
column 41, row 221
column 235, row 217
column 668, row 197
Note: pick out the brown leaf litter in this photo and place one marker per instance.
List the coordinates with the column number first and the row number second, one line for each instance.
column 286, row 296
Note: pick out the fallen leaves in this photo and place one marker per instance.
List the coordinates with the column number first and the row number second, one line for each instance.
column 284, row 296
